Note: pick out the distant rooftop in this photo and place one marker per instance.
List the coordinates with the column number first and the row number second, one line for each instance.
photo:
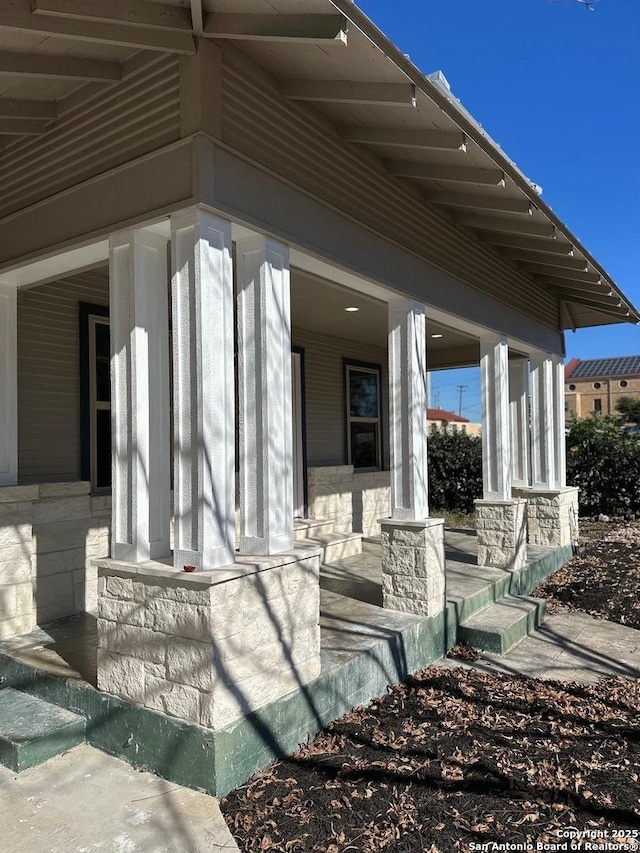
column 444, row 415
column 590, row 368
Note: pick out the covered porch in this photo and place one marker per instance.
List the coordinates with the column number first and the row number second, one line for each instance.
column 364, row 647
column 209, row 565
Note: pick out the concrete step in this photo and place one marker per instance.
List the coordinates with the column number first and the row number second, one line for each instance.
column 307, row 528
column 499, row 626
column 470, row 587
column 32, row 731
column 335, row 546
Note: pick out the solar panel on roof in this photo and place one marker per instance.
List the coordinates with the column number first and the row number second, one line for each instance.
column 619, row 366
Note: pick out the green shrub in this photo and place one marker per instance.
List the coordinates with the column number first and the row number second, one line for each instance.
column 455, row 470
column 605, row 465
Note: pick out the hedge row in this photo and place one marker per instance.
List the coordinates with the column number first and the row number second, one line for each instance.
column 603, row 462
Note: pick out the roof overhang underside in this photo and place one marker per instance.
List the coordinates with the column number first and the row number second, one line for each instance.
column 326, row 52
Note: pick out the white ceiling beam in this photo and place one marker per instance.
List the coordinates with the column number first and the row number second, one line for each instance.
column 10, row 108
column 541, row 259
column 508, row 226
column 402, row 137
column 562, row 274
column 197, row 17
column 23, row 127
column 480, row 202
column 40, row 65
column 547, row 246
column 19, row 18
column 441, row 172
column 133, row 13
column 308, row 29
column 347, row 92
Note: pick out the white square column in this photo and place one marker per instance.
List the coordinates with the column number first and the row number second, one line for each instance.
column 552, row 506
column 497, row 465
column 544, row 422
column 501, row 519
column 413, row 564
column 519, row 410
column 559, row 425
column 408, row 409
column 8, row 385
column 138, row 287
column 203, row 384
column 264, row 396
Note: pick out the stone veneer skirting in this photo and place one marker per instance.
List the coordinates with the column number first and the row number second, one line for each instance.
column 354, row 501
column 502, row 533
column 552, row 515
column 413, row 566
column 49, row 533
column 209, row 647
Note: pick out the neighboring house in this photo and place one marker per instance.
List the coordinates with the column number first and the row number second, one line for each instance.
column 231, row 246
column 594, row 385
column 450, row 422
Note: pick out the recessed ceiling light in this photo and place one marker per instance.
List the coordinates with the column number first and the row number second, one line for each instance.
column 436, row 336
column 352, row 308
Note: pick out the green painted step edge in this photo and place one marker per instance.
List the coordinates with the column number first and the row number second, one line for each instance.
column 32, row 731
column 521, row 582
column 526, row 579
column 166, row 746
column 249, row 744
column 22, row 756
column 501, row 641
column 493, row 591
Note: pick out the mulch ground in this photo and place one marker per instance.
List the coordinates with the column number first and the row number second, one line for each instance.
column 603, row 579
column 452, row 759
column 456, row 759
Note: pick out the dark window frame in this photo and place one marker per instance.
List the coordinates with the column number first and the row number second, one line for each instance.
column 375, row 368
column 86, row 311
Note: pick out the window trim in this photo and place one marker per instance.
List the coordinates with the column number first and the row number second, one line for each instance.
column 370, row 367
column 89, row 314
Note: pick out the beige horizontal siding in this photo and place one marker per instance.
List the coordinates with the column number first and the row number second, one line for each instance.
column 324, row 393
column 138, row 116
column 49, row 375
column 296, row 141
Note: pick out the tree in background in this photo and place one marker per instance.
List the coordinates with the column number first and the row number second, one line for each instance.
column 629, row 408
column 604, row 464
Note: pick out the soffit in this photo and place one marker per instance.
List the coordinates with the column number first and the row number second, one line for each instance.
column 318, row 305
column 420, row 130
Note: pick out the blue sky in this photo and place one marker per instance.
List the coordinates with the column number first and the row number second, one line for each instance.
column 558, row 87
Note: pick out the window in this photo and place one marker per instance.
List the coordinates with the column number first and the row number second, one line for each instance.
column 95, row 383
column 623, row 383
column 363, row 407
column 572, row 387
column 597, row 385
column 597, row 406
column 566, row 405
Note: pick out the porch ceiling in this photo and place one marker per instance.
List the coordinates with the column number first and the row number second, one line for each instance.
column 57, row 53
column 318, row 305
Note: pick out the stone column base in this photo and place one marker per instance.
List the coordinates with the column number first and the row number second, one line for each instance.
column 502, row 533
column 413, row 567
column 209, row 647
column 552, row 516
